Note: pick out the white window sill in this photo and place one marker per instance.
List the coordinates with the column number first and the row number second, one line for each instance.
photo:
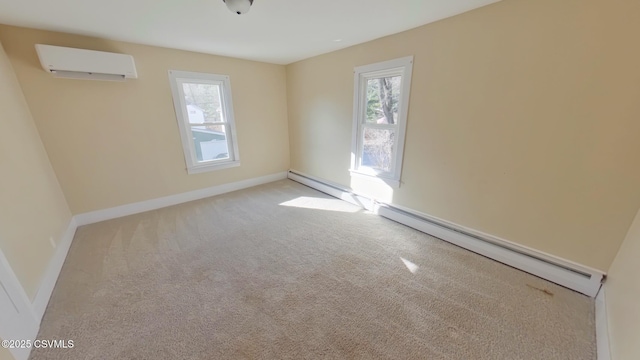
column 394, row 183
column 205, row 167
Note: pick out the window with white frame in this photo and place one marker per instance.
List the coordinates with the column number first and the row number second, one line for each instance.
column 205, row 116
column 381, row 103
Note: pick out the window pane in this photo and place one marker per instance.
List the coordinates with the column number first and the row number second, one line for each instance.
column 203, row 103
column 377, row 150
column 210, row 142
column 383, row 95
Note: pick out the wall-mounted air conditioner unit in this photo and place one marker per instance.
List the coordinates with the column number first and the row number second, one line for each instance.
column 73, row 63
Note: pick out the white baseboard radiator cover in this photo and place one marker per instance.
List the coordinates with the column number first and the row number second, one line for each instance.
column 563, row 272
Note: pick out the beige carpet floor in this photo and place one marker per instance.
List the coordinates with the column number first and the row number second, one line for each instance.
column 282, row 271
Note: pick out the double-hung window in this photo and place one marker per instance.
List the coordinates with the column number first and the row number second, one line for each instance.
column 381, row 103
column 205, row 117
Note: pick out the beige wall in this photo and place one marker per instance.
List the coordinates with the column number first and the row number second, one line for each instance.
column 32, row 207
column 116, row 143
column 523, row 121
column 622, row 294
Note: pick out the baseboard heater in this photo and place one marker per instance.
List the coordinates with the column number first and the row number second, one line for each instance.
column 562, row 272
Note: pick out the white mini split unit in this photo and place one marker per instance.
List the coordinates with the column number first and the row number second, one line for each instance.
column 64, row 62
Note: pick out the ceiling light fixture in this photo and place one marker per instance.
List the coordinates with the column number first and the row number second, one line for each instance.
column 239, row 6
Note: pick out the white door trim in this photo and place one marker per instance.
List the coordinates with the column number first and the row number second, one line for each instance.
column 26, row 326
column 602, row 326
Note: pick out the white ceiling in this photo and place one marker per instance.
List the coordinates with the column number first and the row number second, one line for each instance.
column 275, row 31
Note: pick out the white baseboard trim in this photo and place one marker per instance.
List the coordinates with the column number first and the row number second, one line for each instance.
column 153, row 204
column 602, row 326
column 41, row 299
column 569, row 274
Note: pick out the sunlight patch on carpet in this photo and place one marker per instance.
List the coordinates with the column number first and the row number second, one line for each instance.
column 411, row 266
column 306, row 202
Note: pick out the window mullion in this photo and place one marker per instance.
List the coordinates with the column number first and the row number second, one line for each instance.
column 380, row 126
column 209, row 123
